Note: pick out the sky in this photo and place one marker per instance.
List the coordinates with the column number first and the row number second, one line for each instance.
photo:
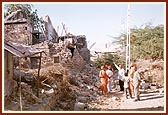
column 101, row 22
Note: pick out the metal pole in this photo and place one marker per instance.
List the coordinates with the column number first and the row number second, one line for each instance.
column 128, row 39
column 129, row 36
column 39, row 75
column 20, row 86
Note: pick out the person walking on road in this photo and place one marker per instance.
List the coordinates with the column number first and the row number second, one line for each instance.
column 121, row 73
column 136, row 83
column 126, row 85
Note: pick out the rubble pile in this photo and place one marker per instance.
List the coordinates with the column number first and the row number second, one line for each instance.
column 64, row 89
column 152, row 72
column 69, row 86
column 53, row 50
column 51, row 89
column 85, row 83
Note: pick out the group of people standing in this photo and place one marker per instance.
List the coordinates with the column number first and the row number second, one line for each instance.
column 129, row 81
column 105, row 74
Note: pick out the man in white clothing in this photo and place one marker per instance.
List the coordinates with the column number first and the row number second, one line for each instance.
column 136, row 83
column 126, row 85
column 121, row 73
column 109, row 72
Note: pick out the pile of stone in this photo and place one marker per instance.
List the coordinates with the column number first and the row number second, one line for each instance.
column 152, row 71
column 65, row 83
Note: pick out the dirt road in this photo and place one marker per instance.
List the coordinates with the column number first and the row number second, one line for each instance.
column 151, row 100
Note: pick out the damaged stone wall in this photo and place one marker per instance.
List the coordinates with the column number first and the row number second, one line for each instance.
column 55, row 91
column 9, row 83
column 85, row 53
column 63, row 55
column 63, row 86
column 18, row 33
column 83, row 50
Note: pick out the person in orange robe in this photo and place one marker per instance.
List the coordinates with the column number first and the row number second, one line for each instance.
column 103, row 79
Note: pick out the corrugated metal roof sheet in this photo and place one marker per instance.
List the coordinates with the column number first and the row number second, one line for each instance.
column 21, row 50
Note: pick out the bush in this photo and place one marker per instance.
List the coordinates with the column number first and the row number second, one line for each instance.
column 109, row 59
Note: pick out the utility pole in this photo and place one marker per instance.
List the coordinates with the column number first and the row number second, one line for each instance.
column 128, row 39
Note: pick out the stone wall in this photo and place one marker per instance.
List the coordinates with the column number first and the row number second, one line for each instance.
column 18, row 33
column 58, row 50
column 83, row 50
column 9, row 83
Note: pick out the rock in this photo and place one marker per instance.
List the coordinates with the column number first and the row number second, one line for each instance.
column 144, row 85
column 161, row 91
column 113, row 98
column 49, row 91
column 82, row 99
column 63, row 105
column 116, row 99
column 84, row 93
column 14, row 106
column 80, row 106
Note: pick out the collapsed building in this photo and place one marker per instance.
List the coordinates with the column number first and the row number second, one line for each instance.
column 18, row 29
column 20, row 37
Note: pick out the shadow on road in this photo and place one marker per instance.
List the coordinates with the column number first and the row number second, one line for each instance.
column 149, row 95
column 152, row 98
column 140, row 109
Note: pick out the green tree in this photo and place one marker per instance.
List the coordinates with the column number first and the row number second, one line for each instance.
column 109, row 59
column 9, row 8
column 146, row 43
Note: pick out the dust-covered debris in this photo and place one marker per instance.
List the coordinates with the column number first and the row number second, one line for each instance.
column 62, row 89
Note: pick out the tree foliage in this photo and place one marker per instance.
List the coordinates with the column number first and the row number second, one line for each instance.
column 109, row 59
column 9, row 8
column 146, row 43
